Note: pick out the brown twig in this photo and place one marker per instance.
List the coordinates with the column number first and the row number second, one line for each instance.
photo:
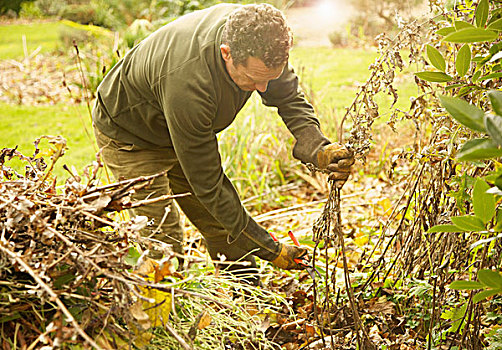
column 52, row 294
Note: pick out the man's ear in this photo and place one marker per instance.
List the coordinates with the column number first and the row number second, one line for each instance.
column 225, row 52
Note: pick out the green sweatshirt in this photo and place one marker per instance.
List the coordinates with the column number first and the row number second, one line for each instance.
column 173, row 90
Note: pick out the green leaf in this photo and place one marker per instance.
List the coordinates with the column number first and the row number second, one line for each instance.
column 476, row 76
column 465, row 285
column 445, row 31
column 479, row 149
column 496, row 101
column 453, row 86
column 471, row 35
column 498, row 221
column 64, row 279
column 490, row 76
column 483, row 203
column 490, row 278
column 468, row 223
column 462, row 25
column 436, row 58
column 481, row 14
column 456, row 315
column 463, row 61
column 493, row 125
column 465, row 113
column 497, row 25
column 435, row 77
column 485, row 294
column 132, row 256
column 444, row 228
column 465, row 90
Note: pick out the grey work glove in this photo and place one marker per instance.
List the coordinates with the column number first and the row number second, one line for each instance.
column 337, row 160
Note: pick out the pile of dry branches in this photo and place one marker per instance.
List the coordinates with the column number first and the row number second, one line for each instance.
column 63, row 275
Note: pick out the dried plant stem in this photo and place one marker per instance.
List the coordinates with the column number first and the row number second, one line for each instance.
column 52, row 294
column 367, row 344
column 176, row 336
column 157, row 199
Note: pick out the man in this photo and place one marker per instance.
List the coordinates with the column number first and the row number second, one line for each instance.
column 162, row 105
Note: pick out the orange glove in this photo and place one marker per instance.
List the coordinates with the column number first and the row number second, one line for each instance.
column 286, row 258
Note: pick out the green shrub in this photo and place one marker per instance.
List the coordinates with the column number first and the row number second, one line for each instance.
column 9, row 6
column 51, row 7
column 30, row 10
column 83, row 14
column 98, row 13
column 338, row 38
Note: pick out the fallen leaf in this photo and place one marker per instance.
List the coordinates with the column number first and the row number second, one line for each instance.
column 146, row 267
column 205, row 320
column 140, row 315
column 382, row 305
column 165, row 268
column 158, row 311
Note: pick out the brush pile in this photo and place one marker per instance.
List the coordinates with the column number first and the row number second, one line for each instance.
column 64, row 276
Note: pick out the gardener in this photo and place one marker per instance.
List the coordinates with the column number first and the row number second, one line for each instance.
column 161, row 106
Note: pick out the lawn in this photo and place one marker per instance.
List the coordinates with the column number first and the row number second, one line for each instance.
column 21, row 125
column 43, row 34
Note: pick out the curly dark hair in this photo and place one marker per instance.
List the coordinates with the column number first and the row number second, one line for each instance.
column 259, row 31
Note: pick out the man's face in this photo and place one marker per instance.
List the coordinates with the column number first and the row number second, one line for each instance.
column 254, row 75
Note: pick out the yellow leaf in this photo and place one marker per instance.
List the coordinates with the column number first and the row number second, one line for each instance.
column 361, row 241
column 385, row 205
column 205, row 320
column 158, row 311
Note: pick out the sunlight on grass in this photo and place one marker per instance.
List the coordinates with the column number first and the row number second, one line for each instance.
column 21, row 125
column 45, row 35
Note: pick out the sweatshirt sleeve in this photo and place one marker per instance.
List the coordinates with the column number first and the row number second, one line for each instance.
column 189, row 111
column 298, row 115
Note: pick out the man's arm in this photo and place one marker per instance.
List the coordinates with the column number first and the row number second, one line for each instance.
column 189, row 111
column 298, row 114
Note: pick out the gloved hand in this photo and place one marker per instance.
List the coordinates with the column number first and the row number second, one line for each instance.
column 337, row 160
column 285, row 259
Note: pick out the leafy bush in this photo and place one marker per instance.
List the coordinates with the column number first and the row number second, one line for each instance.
column 338, row 38
column 30, row 10
column 466, row 58
column 96, row 13
column 50, row 7
column 12, row 6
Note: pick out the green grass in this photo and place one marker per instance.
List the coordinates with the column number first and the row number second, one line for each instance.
column 334, row 76
column 44, row 34
column 21, row 125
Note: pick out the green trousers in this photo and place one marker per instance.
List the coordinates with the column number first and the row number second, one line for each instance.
column 129, row 161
